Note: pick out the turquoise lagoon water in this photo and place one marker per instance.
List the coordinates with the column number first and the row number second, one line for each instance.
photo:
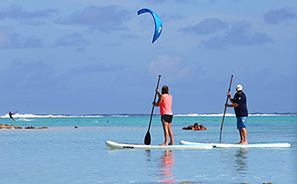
column 63, row 154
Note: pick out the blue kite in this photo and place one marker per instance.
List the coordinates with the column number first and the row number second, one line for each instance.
column 158, row 23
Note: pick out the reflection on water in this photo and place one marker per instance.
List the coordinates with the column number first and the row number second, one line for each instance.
column 241, row 161
column 148, row 154
column 166, row 167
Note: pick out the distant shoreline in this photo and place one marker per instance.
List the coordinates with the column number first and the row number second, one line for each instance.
column 137, row 115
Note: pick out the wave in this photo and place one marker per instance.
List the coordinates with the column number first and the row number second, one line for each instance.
column 232, row 114
column 24, row 119
column 273, row 114
column 24, row 116
column 206, row 115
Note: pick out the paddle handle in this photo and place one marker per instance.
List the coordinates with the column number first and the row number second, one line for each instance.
column 225, row 109
column 154, row 101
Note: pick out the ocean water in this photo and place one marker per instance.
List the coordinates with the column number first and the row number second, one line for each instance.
column 63, row 154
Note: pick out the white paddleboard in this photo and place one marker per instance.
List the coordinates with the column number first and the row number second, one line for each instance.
column 116, row 145
column 224, row 145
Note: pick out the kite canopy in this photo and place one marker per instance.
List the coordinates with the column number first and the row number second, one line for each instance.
column 158, row 23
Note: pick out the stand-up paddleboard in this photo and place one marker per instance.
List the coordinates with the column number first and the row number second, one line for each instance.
column 116, row 145
column 223, row 145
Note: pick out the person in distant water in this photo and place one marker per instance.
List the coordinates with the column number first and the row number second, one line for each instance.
column 195, row 127
column 199, row 127
column 165, row 103
column 241, row 112
column 10, row 115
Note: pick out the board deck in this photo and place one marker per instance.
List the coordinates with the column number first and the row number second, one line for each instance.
column 116, row 145
column 224, row 145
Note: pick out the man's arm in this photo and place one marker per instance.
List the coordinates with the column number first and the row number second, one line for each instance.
column 232, row 101
column 231, row 105
column 229, row 96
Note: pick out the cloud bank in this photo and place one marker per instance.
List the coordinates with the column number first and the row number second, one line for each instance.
column 228, row 34
column 17, row 12
column 279, row 15
column 101, row 18
column 10, row 39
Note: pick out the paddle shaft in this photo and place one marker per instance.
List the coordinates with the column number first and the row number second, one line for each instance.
column 225, row 109
column 147, row 139
column 154, row 101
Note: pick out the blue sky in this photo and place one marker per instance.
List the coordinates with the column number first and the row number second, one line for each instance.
column 96, row 57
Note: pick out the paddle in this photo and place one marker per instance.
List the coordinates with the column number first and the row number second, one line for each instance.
column 225, row 109
column 147, row 139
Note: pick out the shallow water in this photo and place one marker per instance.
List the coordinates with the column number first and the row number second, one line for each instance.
column 62, row 154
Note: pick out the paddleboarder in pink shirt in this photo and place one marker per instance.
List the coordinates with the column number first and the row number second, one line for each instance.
column 165, row 103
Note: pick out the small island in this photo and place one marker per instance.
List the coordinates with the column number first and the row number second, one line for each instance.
column 6, row 126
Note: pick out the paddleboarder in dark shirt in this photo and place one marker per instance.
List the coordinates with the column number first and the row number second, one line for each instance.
column 10, row 115
column 241, row 112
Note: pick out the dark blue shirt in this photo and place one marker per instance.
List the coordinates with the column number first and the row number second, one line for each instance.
column 241, row 109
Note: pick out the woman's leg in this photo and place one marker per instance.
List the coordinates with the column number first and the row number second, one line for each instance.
column 170, row 134
column 166, row 132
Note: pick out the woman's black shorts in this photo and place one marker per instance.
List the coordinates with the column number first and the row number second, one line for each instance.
column 167, row 118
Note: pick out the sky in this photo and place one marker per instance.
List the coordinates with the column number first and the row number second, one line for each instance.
column 97, row 56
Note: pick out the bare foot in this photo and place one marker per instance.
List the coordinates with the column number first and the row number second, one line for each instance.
column 245, row 142
column 171, row 143
column 164, row 144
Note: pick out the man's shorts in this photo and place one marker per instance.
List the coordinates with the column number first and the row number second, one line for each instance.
column 241, row 122
column 167, row 118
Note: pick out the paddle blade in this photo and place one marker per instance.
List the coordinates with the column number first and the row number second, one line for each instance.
column 147, row 139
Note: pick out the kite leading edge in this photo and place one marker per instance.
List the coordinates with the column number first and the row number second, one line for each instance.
column 157, row 20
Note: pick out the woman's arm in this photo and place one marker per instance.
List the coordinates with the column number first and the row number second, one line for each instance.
column 160, row 100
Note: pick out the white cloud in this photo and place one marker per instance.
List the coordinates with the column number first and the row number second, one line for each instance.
column 171, row 67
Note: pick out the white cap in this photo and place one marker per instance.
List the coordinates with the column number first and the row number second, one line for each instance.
column 239, row 87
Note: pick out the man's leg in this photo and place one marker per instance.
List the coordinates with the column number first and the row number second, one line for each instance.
column 243, row 136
